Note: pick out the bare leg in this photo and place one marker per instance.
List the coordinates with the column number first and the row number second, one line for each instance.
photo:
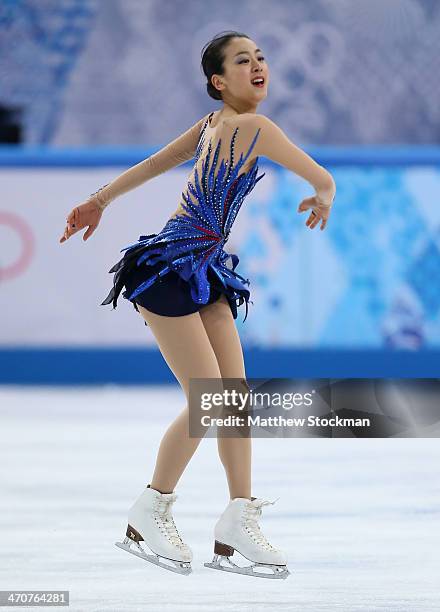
column 235, row 453
column 185, row 346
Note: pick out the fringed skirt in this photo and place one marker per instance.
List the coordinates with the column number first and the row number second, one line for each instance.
column 169, row 295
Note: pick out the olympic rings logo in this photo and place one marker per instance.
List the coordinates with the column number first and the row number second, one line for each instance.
column 27, row 244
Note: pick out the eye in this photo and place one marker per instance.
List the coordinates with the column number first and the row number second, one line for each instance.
column 246, row 60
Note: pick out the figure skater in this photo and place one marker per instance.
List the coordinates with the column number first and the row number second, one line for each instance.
column 178, row 281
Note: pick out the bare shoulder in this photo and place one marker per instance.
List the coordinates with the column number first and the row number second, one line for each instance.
column 246, row 119
column 249, row 120
column 201, row 122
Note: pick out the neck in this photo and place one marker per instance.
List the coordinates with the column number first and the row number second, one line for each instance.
column 237, row 108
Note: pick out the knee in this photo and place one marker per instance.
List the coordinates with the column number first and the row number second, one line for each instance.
column 205, row 395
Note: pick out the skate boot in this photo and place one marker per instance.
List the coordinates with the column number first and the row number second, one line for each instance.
column 238, row 529
column 150, row 520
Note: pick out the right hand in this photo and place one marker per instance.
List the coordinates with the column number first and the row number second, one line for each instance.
column 319, row 211
column 86, row 214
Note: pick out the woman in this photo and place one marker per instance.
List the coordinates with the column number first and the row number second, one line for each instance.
column 180, row 284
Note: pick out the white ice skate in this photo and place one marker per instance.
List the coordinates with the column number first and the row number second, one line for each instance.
column 150, row 520
column 238, row 529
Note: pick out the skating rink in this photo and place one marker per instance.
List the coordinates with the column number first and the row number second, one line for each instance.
column 358, row 518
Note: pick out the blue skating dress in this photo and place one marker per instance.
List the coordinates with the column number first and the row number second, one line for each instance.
column 185, row 267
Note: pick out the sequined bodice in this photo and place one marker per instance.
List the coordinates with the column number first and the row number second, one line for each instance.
column 193, row 241
column 212, row 201
column 215, row 192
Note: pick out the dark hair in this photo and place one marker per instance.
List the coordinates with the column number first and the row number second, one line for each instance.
column 213, row 57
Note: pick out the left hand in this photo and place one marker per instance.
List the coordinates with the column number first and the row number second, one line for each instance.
column 319, row 212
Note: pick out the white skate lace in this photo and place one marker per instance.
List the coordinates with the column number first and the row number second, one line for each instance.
column 165, row 520
column 251, row 516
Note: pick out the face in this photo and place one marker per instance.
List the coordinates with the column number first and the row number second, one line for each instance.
column 243, row 61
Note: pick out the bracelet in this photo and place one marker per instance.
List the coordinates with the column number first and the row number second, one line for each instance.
column 100, row 203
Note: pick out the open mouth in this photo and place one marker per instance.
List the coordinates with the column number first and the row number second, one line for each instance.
column 258, row 82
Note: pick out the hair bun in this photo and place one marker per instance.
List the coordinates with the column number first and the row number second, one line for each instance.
column 213, row 56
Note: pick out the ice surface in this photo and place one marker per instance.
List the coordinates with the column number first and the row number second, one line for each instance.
column 358, row 518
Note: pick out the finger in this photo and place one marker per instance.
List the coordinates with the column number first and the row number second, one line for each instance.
column 323, row 224
column 72, row 229
column 71, row 220
column 303, row 207
column 310, row 219
column 69, row 231
column 89, row 231
column 315, row 221
column 75, row 218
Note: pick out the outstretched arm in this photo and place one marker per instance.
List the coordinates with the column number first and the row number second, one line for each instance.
column 273, row 143
column 175, row 153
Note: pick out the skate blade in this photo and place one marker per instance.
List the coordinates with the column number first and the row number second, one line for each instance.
column 275, row 572
column 179, row 567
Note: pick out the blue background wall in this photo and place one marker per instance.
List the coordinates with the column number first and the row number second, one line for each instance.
column 353, row 83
